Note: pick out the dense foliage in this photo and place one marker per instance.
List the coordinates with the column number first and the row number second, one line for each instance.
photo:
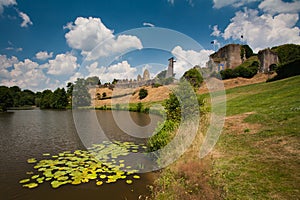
column 287, row 52
column 81, row 95
column 288, row 69
column 179, row 106
column 194, row 77
column 246, row 70
column 143, row 93
column 6, row 99
column 47, row 99
column 246, row 51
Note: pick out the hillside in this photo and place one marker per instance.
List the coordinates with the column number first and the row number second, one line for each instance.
column 122, row 96
column 256, row 156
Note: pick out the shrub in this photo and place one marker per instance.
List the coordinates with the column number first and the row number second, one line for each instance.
column 194, row 77
column 288, row 69
column 245, row 71
column 143, row 93
column 163, row 135
column 139, row 107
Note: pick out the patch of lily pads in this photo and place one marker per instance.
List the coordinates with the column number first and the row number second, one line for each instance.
column 103, row 163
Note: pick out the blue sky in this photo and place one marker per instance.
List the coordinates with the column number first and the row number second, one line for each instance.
column 43, row 43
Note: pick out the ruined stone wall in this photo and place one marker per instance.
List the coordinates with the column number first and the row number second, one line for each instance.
column 228, row 56
column 266, row 58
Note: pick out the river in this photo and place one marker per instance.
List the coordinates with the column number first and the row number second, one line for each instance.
column 30, row 133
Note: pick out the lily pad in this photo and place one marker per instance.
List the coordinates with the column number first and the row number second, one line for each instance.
column 136, row 177
column 30, row 185
column 56, row 184
column 35, row 176
column 99, row 183
column 24, row 180
column 129, row 182
column 31, row 160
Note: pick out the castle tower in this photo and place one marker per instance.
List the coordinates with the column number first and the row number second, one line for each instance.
column 146, row 75
column 139, row 78
column 170, row 71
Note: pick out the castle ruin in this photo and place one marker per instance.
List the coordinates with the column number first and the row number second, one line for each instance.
column 228, row 57
column 170, row 71
column 267, row 58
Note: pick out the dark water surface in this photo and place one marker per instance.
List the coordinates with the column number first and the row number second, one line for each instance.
column 30, row 133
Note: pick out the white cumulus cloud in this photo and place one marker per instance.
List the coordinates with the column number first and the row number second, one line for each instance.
column 25, row 74
column 278, row 6
column 216, row 32
column 6, row 62
column 87, row 33
column 63, row 64
column 26, row 20
column 6, row 3
column 261, row 31
column 43, row 55
column 186, row 59
column 121, row 70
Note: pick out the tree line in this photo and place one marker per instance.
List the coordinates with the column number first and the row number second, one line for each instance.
column 76, row 94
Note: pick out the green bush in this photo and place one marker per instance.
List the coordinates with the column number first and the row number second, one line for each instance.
column 163, row 135
column 194, row 77
column 139, row 107
column 143, row 93
column 287, row 52
column 245, row 71
column 288, row 69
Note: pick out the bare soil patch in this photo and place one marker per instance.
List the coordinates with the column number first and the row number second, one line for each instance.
column 236, row 124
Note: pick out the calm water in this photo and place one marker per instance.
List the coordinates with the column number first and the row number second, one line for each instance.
column 30, row 133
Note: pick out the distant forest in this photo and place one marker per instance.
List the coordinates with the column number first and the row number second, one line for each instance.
column 15, row 97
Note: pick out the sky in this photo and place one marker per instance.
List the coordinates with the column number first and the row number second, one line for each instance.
column 46, row 44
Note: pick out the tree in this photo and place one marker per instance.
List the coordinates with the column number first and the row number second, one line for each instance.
column 143, row 93
column 46, row 99
column 27, row 98
column 248, row 52
column 15, row 92
column 59, row 99
column 194, row 77
column 70, row 87
column 6, row 100
column 115, row 81
column 93, row 81
column 81, row 95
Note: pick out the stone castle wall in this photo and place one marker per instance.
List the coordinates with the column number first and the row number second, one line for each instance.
column 266, row 58
column 228, row 57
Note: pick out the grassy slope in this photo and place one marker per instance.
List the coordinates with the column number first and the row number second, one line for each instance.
column 264, row 165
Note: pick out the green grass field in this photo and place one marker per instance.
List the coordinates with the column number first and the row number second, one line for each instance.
column 265, row 164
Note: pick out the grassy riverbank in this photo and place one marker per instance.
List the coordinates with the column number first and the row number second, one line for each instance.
column 257, row 155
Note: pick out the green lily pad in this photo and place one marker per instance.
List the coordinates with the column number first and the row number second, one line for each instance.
column 30, row 185
column 62, row 178
column 31, row 160
column 136, row 177
column 46, row 154
column 99, row 183
column 56, row 184
column 35, row 176
column 24, row 180
column 129, row 182
column 40, row 180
